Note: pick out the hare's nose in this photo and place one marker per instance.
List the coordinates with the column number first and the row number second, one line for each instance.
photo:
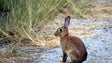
column 55, row 34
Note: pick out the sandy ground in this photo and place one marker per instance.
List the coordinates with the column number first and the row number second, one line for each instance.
column 97, row 36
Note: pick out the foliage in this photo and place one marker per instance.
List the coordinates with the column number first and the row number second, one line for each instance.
column 26, row 15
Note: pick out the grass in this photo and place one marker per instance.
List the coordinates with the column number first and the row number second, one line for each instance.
column 12, row 50
column 20, row 18
column 25, row 16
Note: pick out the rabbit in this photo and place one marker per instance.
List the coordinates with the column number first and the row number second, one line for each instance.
column 72, row 46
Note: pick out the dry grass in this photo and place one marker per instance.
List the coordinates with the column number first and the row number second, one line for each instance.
column 24, row 25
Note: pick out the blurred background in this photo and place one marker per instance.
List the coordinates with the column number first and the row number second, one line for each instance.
column 25, row 23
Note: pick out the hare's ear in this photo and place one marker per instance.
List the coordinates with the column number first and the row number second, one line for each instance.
column 67, row 21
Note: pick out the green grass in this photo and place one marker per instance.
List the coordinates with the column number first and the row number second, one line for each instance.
column 26, row 15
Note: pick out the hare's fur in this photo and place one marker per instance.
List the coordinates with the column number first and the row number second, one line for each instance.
column 72, row 46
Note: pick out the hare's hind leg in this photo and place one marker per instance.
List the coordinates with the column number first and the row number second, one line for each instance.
column 75, row 61
column 74, row 56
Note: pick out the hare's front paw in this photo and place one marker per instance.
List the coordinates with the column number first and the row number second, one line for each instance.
column 62, row 61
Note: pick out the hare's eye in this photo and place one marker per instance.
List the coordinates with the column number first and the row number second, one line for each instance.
column 60, row 30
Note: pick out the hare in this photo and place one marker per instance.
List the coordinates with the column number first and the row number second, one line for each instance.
column 72, row 46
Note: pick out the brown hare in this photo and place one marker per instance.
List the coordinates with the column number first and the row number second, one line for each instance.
column 72, row 46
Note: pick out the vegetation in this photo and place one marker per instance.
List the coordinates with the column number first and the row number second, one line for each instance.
column 20, row 18
column 25, row 15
